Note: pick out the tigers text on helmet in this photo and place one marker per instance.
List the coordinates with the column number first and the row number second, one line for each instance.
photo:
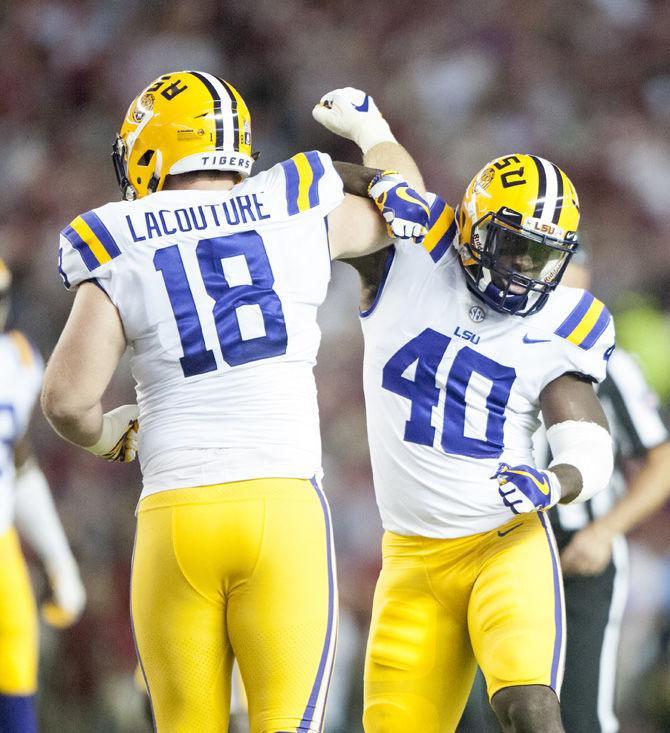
column 517, row 231
column 184, row 121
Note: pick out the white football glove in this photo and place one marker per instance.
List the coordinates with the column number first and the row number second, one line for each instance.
column 353, row 114
column 118, row 440
column 68, row 596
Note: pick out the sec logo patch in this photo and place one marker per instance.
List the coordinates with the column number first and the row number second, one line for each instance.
column 477, row 314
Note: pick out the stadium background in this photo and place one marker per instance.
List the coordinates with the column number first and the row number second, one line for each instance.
column 585, row 84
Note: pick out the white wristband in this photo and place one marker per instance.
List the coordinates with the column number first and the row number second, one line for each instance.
column 588, row 447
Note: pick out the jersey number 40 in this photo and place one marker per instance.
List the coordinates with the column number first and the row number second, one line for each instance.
column 197, row 358
column 427, row 350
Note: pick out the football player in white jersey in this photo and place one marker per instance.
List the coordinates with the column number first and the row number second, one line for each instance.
column 466, row 344
column 26, row 505
column 213, row 278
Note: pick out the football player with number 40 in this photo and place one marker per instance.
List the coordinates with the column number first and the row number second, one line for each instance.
column 466, row 343
column 213, row 279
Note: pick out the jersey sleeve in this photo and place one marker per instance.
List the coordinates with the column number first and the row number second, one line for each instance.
column 441, row 227
column 309, row 182
column 86, row 247
column 635, row 407
column 31, row 370
column 589, row 332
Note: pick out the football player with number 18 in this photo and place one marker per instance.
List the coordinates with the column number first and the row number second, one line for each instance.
column 467, row 341
column 213, row 278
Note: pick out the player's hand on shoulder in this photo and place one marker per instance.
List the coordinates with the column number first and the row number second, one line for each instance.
column 405, row 211
column 68, row 596
column 118, row 440
column 525, row 489
column 353, row 114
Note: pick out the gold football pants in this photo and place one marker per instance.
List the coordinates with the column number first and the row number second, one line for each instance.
column 18, row 621
column 442, row 606
column 244, row 570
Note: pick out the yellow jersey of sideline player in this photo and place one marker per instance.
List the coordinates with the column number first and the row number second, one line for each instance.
column 214, row 282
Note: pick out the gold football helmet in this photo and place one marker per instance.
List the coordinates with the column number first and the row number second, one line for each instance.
column 183, row 121
column 517, row 231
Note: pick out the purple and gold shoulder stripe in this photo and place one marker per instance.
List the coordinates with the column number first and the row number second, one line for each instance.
column 441, row 229
column 587, row 322
column 91, row 238
column 303, row 173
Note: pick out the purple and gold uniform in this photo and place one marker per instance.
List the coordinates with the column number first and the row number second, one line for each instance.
column 218, row 293
column 20, row 379
column 452, row 389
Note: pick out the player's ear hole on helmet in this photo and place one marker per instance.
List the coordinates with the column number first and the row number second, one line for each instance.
column 146, row 158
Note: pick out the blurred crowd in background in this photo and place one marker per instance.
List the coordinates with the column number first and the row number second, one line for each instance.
column 585, row 84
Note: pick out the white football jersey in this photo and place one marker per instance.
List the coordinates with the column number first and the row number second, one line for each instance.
column 218, row 293
column 21, row 371
column 452, row 387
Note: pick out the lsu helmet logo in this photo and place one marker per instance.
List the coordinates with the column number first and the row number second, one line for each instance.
column 517, row 231
column 485, row 178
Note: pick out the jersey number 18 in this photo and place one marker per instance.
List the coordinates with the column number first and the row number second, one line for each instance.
column 197, row 358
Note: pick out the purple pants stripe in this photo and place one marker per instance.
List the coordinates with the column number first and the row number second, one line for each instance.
column 310, row 711
column 558, row 603
column 132, row 628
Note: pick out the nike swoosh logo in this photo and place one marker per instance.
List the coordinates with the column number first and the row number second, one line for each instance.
column 543, row 486
column 402, row 194
column 528, row 340
column 363, row 107
column 511, row 529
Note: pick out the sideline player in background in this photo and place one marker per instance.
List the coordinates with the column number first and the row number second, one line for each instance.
column 465, row 345
column 214, row 280
column 26, row 505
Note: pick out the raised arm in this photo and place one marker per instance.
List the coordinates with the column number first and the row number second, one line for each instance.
column 356, row 228
column 353, row 114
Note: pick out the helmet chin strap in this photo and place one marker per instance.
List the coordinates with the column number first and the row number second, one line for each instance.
column 156, row 176
column 511, row 300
